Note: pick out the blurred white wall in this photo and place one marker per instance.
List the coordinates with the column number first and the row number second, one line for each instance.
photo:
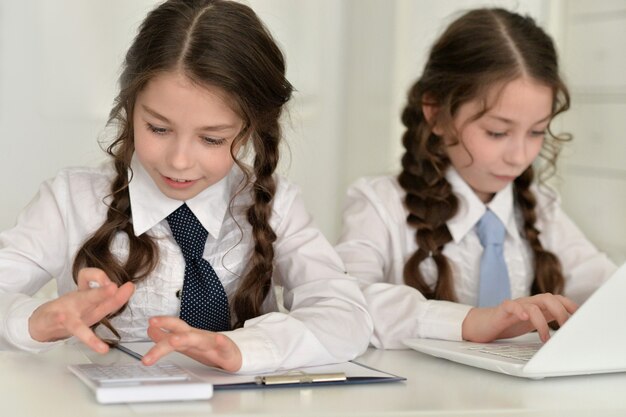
column 593, row 168
column 58, row 68
column 351, row 62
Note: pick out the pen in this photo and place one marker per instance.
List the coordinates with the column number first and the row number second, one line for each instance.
column 127, row 351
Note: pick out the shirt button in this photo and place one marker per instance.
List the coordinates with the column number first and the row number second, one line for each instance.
column 178, row 292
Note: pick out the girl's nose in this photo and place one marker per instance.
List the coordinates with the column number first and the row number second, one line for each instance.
column 516, row 152
column 180, row 154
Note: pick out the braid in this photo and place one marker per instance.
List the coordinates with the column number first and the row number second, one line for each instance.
column 429, row 199
column 248, row 299
column 96, row 251
column 548, row 272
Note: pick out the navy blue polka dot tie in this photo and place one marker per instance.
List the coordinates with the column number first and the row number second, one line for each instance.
column 204, row 303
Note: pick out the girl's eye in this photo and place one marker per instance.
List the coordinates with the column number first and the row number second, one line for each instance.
column 213, row 141
column 538, row 133
column 496, row 135
column 157, row 130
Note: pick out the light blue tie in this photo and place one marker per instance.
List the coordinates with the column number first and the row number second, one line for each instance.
column 494, row 286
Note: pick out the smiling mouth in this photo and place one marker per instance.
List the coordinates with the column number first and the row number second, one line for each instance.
column 178, row 180
column 506, row 177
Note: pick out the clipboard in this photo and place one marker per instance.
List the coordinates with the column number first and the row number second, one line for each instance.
column 347, row 373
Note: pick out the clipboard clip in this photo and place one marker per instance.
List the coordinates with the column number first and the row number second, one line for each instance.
column 299, row 377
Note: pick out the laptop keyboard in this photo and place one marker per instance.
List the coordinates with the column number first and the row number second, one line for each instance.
column 523, row 352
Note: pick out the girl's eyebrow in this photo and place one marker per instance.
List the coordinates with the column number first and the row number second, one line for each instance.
column 159, row 116
column 155, row 114
column 511, row 122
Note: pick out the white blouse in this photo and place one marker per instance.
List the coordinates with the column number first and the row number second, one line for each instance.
column 327, row 323
column 376, row 242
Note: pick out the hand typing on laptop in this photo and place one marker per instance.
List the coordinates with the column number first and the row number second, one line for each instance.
column 590, row 342
column 517, row 317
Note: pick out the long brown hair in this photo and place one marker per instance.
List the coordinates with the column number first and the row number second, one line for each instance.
column 480, row 49
column 214, row 43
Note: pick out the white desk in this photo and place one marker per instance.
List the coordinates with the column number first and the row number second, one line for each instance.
column 40, row 385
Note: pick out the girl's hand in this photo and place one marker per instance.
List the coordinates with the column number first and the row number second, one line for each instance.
column 173, row 334
column 516, row 317
column 74, row 313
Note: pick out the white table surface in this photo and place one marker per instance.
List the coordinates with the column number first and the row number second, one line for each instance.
column 40, row 385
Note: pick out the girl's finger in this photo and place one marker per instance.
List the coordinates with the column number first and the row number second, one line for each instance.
column 95, row 276
column 556, row 310
column 96, row 296
column 157, row 351
column 538, row 321
column 103, row 303
column 156, row 334
column 171, row 324
column 569, row 305
column 116, row 300
column 513, row 307
column 212, row 349
column 82, row 332
column 198, row 339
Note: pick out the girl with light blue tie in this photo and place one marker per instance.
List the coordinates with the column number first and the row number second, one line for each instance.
column 182, row 236
column 467, row 242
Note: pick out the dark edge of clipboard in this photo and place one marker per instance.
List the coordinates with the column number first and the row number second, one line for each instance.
column 359, row 380
column 355, row 380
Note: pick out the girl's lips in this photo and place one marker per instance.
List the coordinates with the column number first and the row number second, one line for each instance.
column 179, row 184
column 505, row 177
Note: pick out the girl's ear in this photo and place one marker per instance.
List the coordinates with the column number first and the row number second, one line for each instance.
column 430, row 110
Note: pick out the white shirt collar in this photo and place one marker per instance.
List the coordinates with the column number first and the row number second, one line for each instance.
column 471, row 208
column 150, row 206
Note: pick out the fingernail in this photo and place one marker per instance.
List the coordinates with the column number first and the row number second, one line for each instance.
column 93, row 284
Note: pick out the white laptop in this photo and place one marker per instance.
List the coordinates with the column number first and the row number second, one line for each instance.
column 592, row 341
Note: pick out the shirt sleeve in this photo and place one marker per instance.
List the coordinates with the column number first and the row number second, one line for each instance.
column 366, row 244
column 585, row 268
column 374, row 227
column 327, row 320
column 31, row 253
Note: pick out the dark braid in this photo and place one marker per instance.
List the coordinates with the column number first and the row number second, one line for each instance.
column 429, row 199
column 548, row 272
column 256, row 284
